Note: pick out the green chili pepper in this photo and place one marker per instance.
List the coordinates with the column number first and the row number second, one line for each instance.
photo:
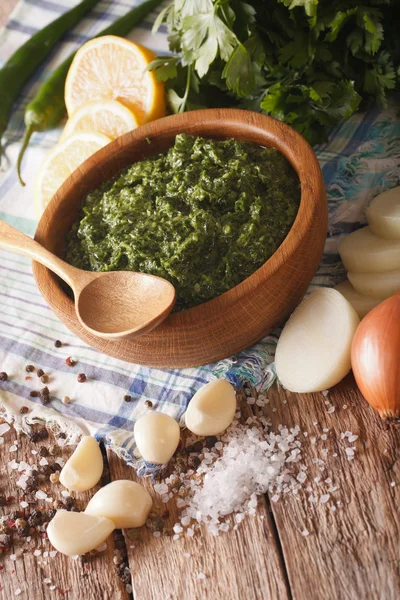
column 26, row 59
column 47, row 108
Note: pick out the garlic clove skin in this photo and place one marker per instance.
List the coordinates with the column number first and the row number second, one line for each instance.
column 157, row 437
column 212, row 408
column 73, row 533
column 125, row 502
column 383, row 214
column 361, row 303
column 84, row 468
column 364, row 252
column 377, row 285
column 314, row 349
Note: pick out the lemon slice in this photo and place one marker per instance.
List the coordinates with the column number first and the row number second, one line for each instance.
column 110, row 118
column 112, row 68
column 61, row 162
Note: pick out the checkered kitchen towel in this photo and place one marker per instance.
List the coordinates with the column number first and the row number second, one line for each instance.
column 361, row 160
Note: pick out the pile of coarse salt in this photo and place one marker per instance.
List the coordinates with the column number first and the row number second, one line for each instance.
column 248, row 460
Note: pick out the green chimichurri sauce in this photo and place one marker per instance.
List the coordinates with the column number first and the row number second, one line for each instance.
column 204, row 216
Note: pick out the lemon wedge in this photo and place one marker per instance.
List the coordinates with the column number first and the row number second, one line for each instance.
column 112, row 68
column 110, row 118
column 63, row 159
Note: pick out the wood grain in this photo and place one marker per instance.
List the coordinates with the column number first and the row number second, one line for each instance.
column 241, row 564
column 98, row 580
column 241, row 316
column 354, row 551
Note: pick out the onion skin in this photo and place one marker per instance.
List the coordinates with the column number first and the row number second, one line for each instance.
column 375, row 357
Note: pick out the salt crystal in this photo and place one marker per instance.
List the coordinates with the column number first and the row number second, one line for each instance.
column 305, row 532
column 13, row 448
column 60, row 461
column 47, row 580
column 219, row 446
column 48, row 499
column 331, row 409
column 1, row 441
column 129, row 588
column 13, row 557
column 324, row 436
column 161, row 488
column 40, row 495
column 52, row 587
column 187, row 555
column 392, row 483
column 23, row 504
column 325, row 430
column 353, row 438
column 65, row 493
column 18, row 591
column 344, row 406
column 165, row 498
column 4, row 427
column 313, row 440
column 156, row 534
column 177, row 528
column 37, row 553
column 43, row 462
column 251, row 400
column 201, row 575
column 324, row 498
column 45, row 554
column 176, row 537
column 325, row 392
column 350, row 451
column 28, row 539
column 34, row 452
column 275, row 498
column 53, row 553
column 260, row 402
column 189, row 532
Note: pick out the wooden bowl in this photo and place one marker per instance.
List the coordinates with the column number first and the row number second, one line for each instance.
column 239, row 317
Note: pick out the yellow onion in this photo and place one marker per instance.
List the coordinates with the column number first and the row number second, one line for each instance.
column 375, row 357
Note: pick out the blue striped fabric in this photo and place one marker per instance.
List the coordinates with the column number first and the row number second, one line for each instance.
column 360, row 160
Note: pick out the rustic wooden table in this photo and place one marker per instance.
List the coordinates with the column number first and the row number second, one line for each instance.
column 352, row 552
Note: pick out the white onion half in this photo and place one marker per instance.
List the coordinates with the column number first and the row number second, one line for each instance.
column 313, row 351
column 377, row 285
column 364, row 252
column 383, row 214
column 361, row 303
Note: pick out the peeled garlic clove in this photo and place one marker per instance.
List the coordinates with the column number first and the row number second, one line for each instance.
column 212, row 408
column 364, row 252
column 377, row 285
column 84, row 468
column 157, row 437
column 313, row 351
column 362, row 304
column 75, row 533
column 383, row 214
column 125, row 502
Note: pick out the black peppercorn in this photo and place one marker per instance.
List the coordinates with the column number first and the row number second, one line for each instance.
column 127, row 398
column 44, row 378
column 69, row 503
column 148, row 404
column 81, row 378
column 62, row 436
column 50, row 514
column 24, row 410
column 211, row 440
column 43, row 452
column 54, row 450
column 57, row 344
column 34, row 436
column 3, row 501
column 39, row 372
column 197, row 447
column 70, row 361
column 29, row 368
column 44, row 395
column 33, row 393
column 43, row 433
column 35, row 518
column 3, row 376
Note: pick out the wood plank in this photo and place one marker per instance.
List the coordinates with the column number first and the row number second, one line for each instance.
column 98, row 579
column 353, row 552
column 6, row 7
column 242, row 564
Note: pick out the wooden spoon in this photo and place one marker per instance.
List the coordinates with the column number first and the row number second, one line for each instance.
column 114, row 305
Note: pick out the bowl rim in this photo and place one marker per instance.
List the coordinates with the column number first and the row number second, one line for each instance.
column 277, row 134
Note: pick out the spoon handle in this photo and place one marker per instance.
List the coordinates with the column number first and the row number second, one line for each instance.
column 15, row 241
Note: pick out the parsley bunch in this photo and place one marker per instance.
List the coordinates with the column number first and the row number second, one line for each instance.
column 310, row 63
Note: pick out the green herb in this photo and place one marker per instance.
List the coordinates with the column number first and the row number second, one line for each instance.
column 311, row 63
column 205, row 216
